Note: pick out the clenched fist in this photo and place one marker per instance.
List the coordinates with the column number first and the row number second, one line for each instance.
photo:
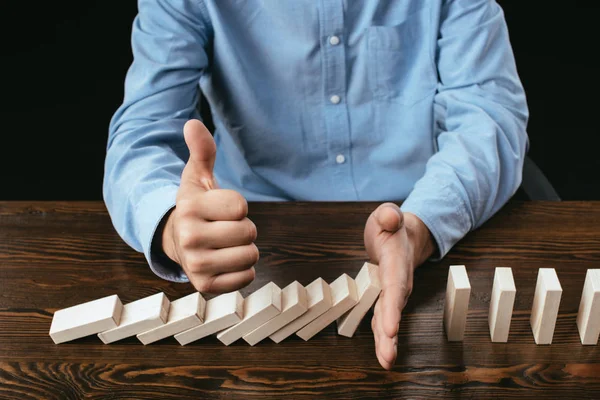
column 208, row 233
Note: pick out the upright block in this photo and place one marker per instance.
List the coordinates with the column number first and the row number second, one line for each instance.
column 184, row 313
column 220, row 313
column 318, row 300
column 259, row 307
column 501, row 304
column 546, row 301
column 344, row 295
column 368, row 288
column 456, row 306
column 588, row 317
column 139, row 316
column 86, row 319
column 293, row 304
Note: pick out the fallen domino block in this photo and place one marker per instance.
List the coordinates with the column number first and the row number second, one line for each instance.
column 368, row 288
column 86, row 319
column 344, row 296
column 501, row 304
column 588, row 316
column 546, row 301
column 259, row 307
column 319, row 301
column 456, row 305
column 139, row 316
column 293, row 305
column 184, row 313
column 221, row 312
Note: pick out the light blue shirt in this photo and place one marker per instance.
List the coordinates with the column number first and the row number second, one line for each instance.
column 414, row 101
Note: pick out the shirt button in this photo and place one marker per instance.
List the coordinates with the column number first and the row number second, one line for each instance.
column 335, row 99
column 334, row 40
column 340, row 159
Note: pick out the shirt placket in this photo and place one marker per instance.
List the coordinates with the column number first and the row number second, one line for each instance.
column 334, row 91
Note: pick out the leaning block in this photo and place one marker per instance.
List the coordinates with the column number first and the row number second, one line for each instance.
column 368, row 288
column 293, row 305
column 86, row 319
column 456, row 306
column 221, row 312
column 344, row 295
column 318, row 300
column 588, row 316
column 546, row 301
column 184, row 313
column 259, row 307
column 139, row 316
column 501, row 304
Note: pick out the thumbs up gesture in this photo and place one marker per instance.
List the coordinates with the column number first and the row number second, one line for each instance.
column 208, row 233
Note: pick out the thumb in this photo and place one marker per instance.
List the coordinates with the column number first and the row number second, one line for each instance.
column 203, row 150
column 396, row 288
column 389, row 217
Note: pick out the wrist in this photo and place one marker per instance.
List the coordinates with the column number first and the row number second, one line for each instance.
column 420, row 237
column 163, row 244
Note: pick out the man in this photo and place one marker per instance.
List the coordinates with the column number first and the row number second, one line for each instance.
column 417, row 101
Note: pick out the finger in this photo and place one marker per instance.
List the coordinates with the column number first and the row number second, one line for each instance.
column 387, row 351
column 201, row 145
column 231, row 281
column 389, row 217
column 379, row 338
column 222, row 205
column 396, row 288
column 223, row 234
column 225, row 260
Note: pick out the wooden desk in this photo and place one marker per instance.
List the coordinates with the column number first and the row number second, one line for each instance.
column 54, row 255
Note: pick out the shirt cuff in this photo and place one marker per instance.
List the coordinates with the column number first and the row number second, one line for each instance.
column 442, row 210
column 148, row 214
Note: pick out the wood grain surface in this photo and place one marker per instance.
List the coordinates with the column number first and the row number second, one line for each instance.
column 57, row 254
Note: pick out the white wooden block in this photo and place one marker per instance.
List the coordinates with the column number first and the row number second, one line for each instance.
column 344, row 297
column 221, row 312
column 318, row 299
column 259, row 307
column 588, row 316
column 501, row 304
column 546, row 301
column 293, row 305
column 184, row 313
column 139, row 316
column 456, row 306
column 86, row 319
column 368, row 288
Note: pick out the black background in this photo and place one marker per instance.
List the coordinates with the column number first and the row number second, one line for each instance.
column 63, row 66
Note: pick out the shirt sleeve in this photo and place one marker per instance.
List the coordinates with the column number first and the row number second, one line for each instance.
column 146, row 151
column 481, row 117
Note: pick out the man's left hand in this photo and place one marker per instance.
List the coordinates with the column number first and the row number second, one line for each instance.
column 398, row 242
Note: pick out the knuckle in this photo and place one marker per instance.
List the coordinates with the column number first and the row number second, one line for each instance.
column 239, row 205
column 185, row 206
column 197, row 263
column 204, row 285
column 186, row 238
column 252, row 231
column 253, row 254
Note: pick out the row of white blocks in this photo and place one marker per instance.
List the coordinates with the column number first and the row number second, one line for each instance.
column 544, row 310
column 268, row 312
column 305, row 311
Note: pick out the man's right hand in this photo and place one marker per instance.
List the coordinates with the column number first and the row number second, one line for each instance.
column 208, row 233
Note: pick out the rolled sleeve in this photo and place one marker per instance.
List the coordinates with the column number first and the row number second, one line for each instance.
column 443, row 212
column 148, row 215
